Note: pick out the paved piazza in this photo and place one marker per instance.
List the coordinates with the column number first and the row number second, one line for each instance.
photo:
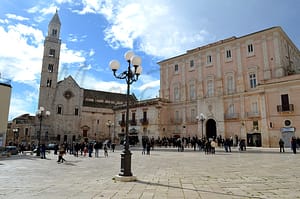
column 166, row 173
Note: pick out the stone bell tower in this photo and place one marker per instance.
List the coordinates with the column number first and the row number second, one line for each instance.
column 49, row 73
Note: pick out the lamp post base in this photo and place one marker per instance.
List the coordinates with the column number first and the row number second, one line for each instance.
column 125, row 178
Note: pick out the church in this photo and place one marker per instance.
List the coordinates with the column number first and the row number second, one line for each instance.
column 74, row 113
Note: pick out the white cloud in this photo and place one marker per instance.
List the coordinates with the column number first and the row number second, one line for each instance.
column 19, row 106
column 154, row 27
column 69, row 56
column 13, row 16
column 21, row 59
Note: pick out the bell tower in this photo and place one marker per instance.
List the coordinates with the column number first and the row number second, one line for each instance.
column 50, row 64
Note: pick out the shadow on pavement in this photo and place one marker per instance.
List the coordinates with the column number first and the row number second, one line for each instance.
column 197, row 190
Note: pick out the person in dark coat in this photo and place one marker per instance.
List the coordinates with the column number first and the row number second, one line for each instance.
column 294, row 144
column 281, row 145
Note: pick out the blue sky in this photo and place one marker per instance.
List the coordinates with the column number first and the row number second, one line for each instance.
column 95, row 32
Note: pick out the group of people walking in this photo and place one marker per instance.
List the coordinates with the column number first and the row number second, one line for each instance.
column 84, row 149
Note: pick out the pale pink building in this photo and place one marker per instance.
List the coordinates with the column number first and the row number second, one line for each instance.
column 246, row 87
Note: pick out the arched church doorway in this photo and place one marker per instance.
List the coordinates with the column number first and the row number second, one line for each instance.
column 211, row 129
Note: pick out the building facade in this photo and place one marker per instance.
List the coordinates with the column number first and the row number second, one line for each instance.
column 146, row 119
column 246, row 87
column 5, row 90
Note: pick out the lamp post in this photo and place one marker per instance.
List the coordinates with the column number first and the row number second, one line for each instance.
column 40, row 114
column 201, row 118
column 16, row 135
column 109, row 124
column 130, row 76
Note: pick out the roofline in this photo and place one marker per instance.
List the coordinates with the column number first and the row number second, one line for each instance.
column 227, row 40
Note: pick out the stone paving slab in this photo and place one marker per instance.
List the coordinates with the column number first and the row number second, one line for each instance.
column 166, row 173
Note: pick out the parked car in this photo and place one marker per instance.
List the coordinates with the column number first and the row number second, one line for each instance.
column 50, row 147
column 12, row 150
column 3, row 153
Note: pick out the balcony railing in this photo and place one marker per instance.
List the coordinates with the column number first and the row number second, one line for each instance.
column 132, row 122
column 176, row 120
column 144, row 121
column 122, row 123
column 285, row 108
column 253, row 114
column 231, row 116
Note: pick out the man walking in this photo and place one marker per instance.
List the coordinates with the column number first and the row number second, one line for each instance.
column 281, row 145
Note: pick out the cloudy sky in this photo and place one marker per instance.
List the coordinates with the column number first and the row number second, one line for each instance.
column 94, row 32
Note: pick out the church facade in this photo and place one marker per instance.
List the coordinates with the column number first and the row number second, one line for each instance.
column 75, row 113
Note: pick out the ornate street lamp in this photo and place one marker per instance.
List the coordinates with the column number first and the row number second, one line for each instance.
column 40, row 114
column 109, row 124
column 130, row 76
column 16, row 136
column 202, row 119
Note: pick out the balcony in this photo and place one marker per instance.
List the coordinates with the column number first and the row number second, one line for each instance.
column 231, row 116
column 176, row 120
column 253, row 114
column 144, row 121
column 122, row 123
column 285, row 108
column 132, row 122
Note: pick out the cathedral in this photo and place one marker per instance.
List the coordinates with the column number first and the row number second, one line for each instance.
column 74, row 113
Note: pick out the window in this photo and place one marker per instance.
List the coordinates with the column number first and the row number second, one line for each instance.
column 231, row 109
column 176, row 93
column 191, row 63
column 193, row 114
column 133, row 116
column 177, row 116
column 230, row 85
column 123, row 117
column 50, row 68
column 52, row 53
column 76, row 111
column 250, row 49
column 254, row 107
column 59, row 109
column 255, row 124
column 252, row 78
column 210, row 88
column 228, row 54
column 54, row 32
column 176, row 67
column 192, row 91
column 65, row 138
column 285, row 102
column 145, row 115
column 208, row 59
column 49, row 82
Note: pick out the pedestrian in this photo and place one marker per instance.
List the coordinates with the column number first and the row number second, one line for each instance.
column 61, row 153
column 144, row 144
column 213, row 146
column 90, row 149
column 43, row 151
column 294, row 144
column 105, row 151
column 96, row 147
column 148, row 147
column 55, row 148
column 113, row 146
column 281, row 145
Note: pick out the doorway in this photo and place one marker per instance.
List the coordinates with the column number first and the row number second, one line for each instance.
column 211, row 129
